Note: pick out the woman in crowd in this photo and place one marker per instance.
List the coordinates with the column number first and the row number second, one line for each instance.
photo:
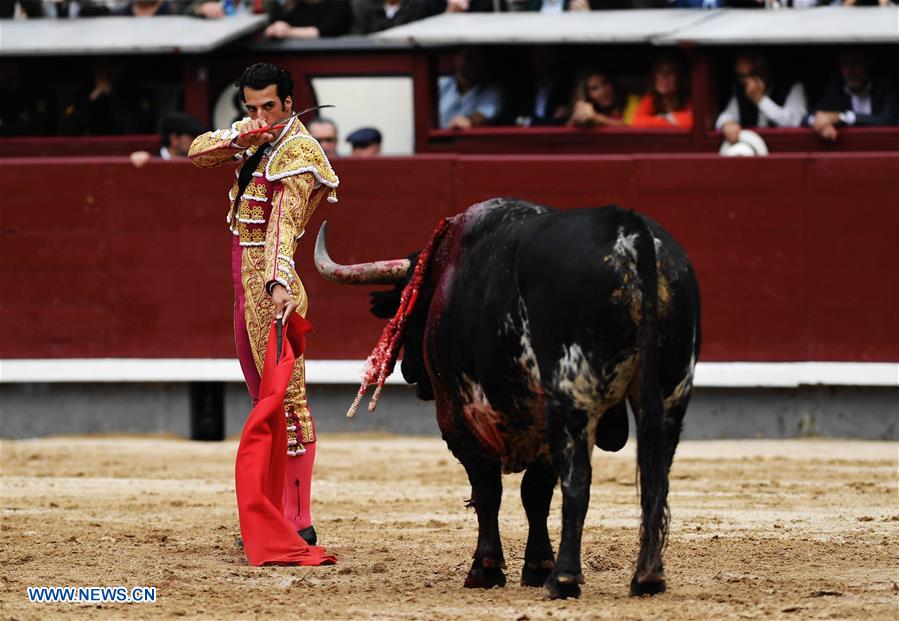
column 667, row 104
column 600, row 102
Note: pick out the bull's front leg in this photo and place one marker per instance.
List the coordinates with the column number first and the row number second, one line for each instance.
column 571, row 445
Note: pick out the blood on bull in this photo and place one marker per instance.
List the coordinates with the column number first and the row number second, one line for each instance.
column 532, row 329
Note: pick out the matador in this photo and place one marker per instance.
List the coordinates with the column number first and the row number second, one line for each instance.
column 281, row 177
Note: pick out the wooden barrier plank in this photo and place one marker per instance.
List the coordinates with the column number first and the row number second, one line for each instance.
column 796, row 254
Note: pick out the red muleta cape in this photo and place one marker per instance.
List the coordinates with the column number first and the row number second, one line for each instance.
column 268, row 538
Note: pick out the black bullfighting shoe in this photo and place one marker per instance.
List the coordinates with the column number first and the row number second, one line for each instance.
column 308, row 535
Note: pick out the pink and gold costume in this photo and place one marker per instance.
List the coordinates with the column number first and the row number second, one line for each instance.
column 267, row 220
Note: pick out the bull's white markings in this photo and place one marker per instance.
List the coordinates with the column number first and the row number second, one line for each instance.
column 476, row 408
column 527, row 359
column 625, row 244
column 683, row 389
column 657, row 242
column 574, row 377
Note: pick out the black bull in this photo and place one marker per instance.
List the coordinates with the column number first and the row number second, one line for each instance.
column 532, row 329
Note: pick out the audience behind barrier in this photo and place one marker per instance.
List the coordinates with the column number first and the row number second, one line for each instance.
column 326, row 18
column 552, row 87
column 855, row 97
column 324, row 130
column 601, row 102
column 666, row 103
column 469, row 97
column 758, row 99
column 540, row 93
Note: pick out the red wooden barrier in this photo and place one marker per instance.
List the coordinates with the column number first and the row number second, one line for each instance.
column 797, row 255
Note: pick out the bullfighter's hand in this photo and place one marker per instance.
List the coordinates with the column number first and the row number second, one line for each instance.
column 284, row 304
column 254, row 140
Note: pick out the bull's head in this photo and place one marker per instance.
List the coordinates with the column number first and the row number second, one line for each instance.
column 385, row 304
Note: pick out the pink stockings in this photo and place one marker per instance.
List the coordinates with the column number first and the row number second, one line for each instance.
column 298, row 488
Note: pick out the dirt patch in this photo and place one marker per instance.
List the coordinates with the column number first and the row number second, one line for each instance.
column 760, row 529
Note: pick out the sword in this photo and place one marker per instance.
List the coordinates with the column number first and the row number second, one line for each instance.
column 279, row 330
column 279, row 124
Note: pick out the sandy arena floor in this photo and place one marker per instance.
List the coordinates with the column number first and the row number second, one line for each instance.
column 761, row 529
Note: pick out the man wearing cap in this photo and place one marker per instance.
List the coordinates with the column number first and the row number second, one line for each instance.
column 366, row 142
column 281, row 177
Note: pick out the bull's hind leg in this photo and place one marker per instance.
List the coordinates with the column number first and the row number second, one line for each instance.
column 571, row 444
column 537, row 487
column 486, row 493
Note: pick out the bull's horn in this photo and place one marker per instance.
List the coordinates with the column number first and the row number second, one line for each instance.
column 374, row 273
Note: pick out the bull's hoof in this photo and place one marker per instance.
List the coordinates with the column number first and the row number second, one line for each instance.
column 485, row 574
column 652, row 584
column 563, row 586
column 535, row 573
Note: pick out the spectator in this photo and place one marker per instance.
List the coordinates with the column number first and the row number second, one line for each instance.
column 559, row 6
column 868, row 2
column 29, row 8
column 466, row 99
column 310, row 19
column 216, row 9
column 667, row 104
column 600, row 101
column 111, row 105
column 147, row 8
column 178, row 132
column 27, row 107
column 366, row 142
column 435, row 7
column 325, row 131
column 544, row 98
column 55, row 8
column 758, row 101
column 855, row 98
column 378, row 15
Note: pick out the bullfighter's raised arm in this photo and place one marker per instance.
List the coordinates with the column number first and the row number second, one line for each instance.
column 217, row 147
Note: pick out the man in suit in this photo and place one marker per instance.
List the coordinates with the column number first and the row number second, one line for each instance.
column 856, row 98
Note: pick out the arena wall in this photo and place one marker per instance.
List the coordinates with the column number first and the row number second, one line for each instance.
column 797, row 255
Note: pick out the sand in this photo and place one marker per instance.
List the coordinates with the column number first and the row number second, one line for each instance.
column 760, row 530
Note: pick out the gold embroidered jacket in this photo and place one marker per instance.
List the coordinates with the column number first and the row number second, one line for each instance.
column 286, row 187
column 268, row 218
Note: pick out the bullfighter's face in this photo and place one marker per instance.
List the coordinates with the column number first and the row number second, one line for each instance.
column 265, row 105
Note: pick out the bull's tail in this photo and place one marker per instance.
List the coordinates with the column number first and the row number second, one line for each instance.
column 652, row 438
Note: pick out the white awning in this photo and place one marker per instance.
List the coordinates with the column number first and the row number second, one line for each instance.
column 837, row 25
column 638, row 26
column 658, row 27
column 165, row 34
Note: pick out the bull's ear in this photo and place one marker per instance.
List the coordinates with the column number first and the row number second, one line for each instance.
column 384, row 304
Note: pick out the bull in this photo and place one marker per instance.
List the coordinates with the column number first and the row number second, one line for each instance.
column 531, row 329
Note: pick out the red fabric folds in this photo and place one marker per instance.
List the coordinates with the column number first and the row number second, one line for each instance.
column 268, row 538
